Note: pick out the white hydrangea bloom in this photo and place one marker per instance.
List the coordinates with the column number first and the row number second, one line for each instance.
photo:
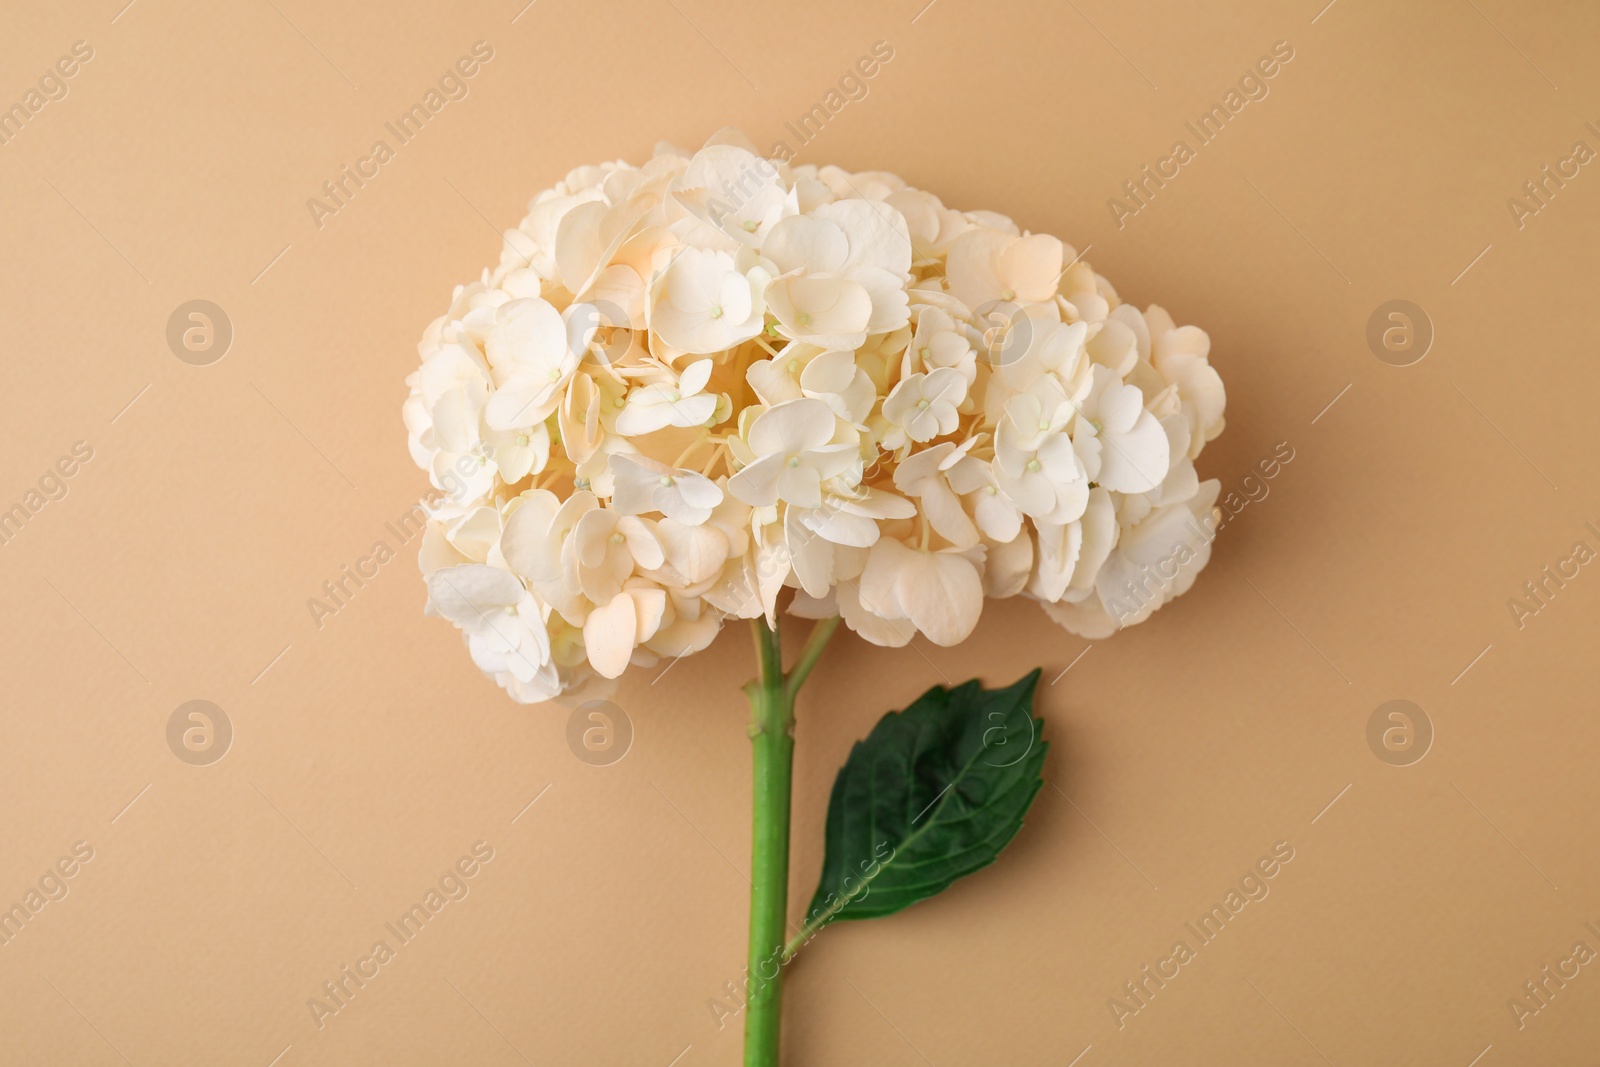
column 690, row 386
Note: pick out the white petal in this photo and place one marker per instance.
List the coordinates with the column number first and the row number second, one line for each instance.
column 1120, row 406
column 608, row 635
column 691, row 411
column 1099, row 537
column 812, row 556
column 634, row 481
column 757, row 484
column 839, row 526
column 800, row 485
column 970, row 268
column 824, row 309
column 697, row 490
column 650, row 610
column 521, row 402
column 946, row 515
column 579, row 245
column 1135, row 462
column 863, row 620
column 771, row 380
column 878, row 233
column 1031, row 266
column 891, row 306
column 830, row 461
column 694, row 377
column 696, row 553
column 641, row 542
column 808, row 242
column 942, row 594
column 998, row 517
column 792, row 427
column 526, row 332
column 1007, row 566
column 527, row 542
column 879, row 587
column 470, row 594
column 829, row 372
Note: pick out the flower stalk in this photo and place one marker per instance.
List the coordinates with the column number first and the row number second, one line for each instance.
column 772, row 695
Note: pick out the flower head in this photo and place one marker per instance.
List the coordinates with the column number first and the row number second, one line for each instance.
column 693, row 385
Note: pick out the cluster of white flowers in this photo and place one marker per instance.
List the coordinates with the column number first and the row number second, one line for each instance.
column 691, row 385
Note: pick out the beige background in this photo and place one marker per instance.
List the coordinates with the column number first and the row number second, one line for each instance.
column 368, row 755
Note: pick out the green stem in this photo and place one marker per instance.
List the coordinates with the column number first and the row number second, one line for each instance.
column 772, row 759
column 820, row 633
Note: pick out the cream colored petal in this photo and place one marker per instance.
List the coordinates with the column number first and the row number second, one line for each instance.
column 1100, row 532
column 823, row 309
column 838, row 526
column 1007, row 566
column 649, row 609
column 694, row 377
column 863, row 620
column 879, row 236
column 526, row 542
column 793, row 427
column 811, row 555
column 641, row 541
column 591, row 535
column 830, row 461
column 970, row 268
column 806, row 242
column 1030, row 266
column 697, row 553
column 1087, row 619
column 878, row 589
column 946, row 515
column 942, row 594
column 757, row 484
column 891, row 307
column 579, row 245
column 1135, row 462
column 697, row 492
column 526, row 332
column 772, row 381
column 800, row 484
column 634, row 480
column 1120, row 407
column 829, row 372
column 471, row 594
column 609, row 635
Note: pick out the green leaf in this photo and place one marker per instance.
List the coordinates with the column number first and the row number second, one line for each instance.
column 933, row 793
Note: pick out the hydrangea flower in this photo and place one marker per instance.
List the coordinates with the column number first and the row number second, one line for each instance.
column 692, row 385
